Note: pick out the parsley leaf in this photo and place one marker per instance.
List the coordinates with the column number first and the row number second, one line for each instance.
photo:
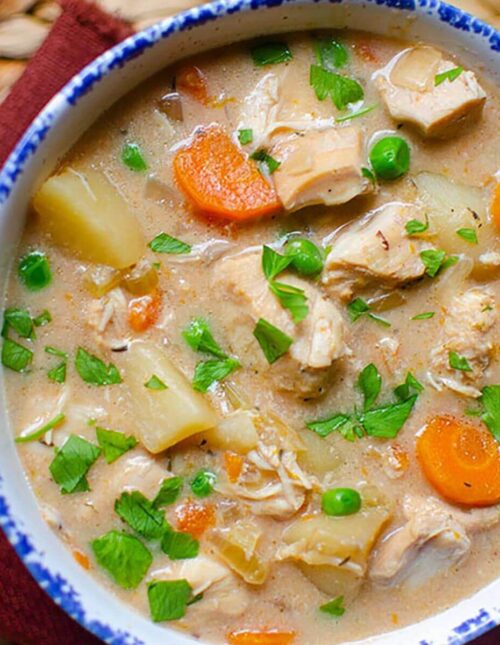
column 450, row 75
column 165, row 243
column 325, row 427
column 370, row 384
column 14, row 356
column 425, row 315
column 458, row 362
column 38, row 434
column 491, row 401
column 266, row 162
column 133, row 158
column 20, row 321
column 168, row 599
column 368, row 174
column 468, row 234
column 93, row 370
column 358, row 307
column 123, row 556
column 179, row 546
column 72, row 463
column 291, row 298
column 245, row 136
column 330, row 54
column 335, row 607
column 55, row 352
column 42, row 319
column 208, row 372
column 415, row 227
column 270, row 53
column 273, row 263
column 435, row 260
column 155, row 383
column 273, row 342
column 408, row 388
column 198, row 336
column 388, row 420
column 114, row 444
column 140, row 514
column 58, row 373
column 355, row 115
column 342, row 89
column 169, row 492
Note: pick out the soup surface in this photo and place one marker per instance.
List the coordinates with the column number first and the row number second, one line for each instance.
column 250, row 341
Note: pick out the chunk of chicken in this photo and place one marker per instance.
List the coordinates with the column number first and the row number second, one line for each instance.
column 320, row 167
column 434, row 538
column 376, row 249
column 318, row 340
column 287, row 121
column 411, row 91
column 468, row 331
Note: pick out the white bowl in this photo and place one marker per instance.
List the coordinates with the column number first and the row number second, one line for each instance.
column 60, row 124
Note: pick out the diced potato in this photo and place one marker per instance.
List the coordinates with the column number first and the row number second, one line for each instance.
column 320, row 457
column 237, row 547
column 235, row 432
column 334, row 581
column 86, row 214
column 163, row 417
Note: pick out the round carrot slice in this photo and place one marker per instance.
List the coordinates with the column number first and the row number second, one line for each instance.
column 495, row 206
column 221, row 181
column 461, row 461
column 254, row 637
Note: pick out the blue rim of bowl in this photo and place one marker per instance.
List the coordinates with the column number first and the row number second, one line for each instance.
column 61, row 592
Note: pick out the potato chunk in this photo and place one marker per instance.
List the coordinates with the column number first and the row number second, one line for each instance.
column 235, row 432
column 163, row 417
column 86, row 214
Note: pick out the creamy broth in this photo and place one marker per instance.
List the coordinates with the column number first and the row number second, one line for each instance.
column 381, row 591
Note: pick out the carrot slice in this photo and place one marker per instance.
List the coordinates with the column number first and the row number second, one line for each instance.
column 221, row 181
column 192, row 81
column 461, row 461
column 249, row 637
column 194, row 518
column 144, row 311
column 495, row 206
column 233, row 463
column 81, row 558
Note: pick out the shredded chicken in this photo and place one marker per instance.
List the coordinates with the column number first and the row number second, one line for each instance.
column 107, row 318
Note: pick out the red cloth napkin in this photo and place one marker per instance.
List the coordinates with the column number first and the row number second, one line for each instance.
column 27, row 615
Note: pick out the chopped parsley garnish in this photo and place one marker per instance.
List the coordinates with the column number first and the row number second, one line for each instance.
column 165, row 243
column 155, row 383
column 355, row 115
column 370, row 384
column 387, row 421
column 207, row 373
column 490, row 399
column 169, row 492
column 58, row 373
column 270, row 53
column 72, row 463
column 291, row 298
column 94, row 371
column 265, row 161
column 55, row 352
column 168, row 599
column 425, row 315
column 468, row 234
column 14, row 356
column 179, row 546
column 415, row 227
column 273, row 263
column 450, row 75
column 42, row 319
column 330, row 54
column 325, row 427
column 335, row 607
column 203, row 483
column 359, row 307
column 245, row 136
column 273, row 342
column 410, row 387
column 140, row 514
column 114, row 444
column 133, row 158
column 341, row 89
column 123, row 556
column 458, row 362
column 435, row 261
column 20, row 321
column 34, row 271
column 41, row 432
column 198, row 336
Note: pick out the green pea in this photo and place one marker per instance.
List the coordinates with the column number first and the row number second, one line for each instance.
column 307, row 259
column 203, row 483
column 132, row 157
column 34, row 271
column 341, row 501
column 390, row 157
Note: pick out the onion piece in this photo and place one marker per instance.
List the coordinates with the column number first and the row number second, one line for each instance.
column 140, row 279
column 171, row 105
column 416, row 68
column 100, row 280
